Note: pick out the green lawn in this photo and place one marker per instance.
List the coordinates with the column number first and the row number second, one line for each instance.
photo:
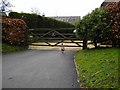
column 7, row 48
column 98, row 68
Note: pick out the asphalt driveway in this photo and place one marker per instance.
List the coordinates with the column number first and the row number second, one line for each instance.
column 39, row 69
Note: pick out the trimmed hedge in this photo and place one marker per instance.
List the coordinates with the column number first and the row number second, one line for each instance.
column 37, row 21
column 13, row 30
column 114, row 13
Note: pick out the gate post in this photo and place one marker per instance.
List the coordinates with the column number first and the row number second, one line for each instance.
column 118, row 43
column 95, row 42
column 84, row 43
column 26, row 38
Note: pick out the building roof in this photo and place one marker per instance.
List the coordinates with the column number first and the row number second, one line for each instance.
column 108, row 1
column 69, row 19
column 111, row 0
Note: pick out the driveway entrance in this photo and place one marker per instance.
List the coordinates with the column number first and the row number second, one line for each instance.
column 39, row 69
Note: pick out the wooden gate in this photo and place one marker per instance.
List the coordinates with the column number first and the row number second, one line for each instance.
column 54, row 37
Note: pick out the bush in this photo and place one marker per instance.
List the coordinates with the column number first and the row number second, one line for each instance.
column 114, row 13
column 13, row 30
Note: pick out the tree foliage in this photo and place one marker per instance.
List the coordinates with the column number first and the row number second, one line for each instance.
column 5, row 6
column 94, row 25
column 102, row 24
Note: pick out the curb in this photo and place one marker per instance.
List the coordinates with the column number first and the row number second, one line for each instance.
column 78, row 75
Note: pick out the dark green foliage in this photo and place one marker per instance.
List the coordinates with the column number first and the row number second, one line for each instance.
column 94, row 26
column 37, row 21
column 7, row 48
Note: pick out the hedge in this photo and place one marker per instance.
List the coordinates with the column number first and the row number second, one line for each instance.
column 37, row 21
column 13, row 30
column 114, row 14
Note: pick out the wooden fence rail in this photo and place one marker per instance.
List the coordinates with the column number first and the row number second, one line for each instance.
column 47, row 36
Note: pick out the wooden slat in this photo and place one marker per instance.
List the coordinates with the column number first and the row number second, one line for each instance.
column 48, row 29
column 56, row 45
column 60, row 34
column 45, row 35
column 59, row 38
column 69, row 46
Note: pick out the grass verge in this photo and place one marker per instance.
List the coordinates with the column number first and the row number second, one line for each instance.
column 98, row 68
column 7, row 48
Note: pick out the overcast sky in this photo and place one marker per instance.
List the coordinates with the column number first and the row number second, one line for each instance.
column 57, row 7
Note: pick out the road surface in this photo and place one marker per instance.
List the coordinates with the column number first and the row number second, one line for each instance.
column 39, row 69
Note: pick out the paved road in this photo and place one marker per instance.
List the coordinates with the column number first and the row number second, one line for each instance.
column 39, row 69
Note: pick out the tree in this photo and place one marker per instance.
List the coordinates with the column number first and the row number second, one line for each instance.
column 94, row 26
column 83, row 29
column 35, row 11
column 5, row 6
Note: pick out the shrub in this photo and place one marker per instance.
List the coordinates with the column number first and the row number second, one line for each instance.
column 114, row 13
column 13, row 30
